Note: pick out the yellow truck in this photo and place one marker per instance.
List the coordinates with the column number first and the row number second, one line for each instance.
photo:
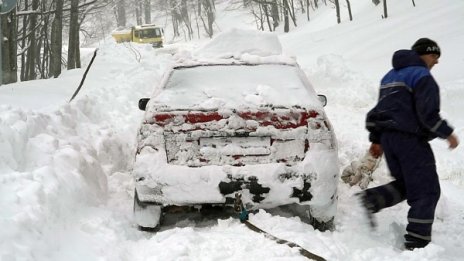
column 148, row 33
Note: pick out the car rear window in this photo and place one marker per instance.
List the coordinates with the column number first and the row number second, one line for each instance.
column 216, row 86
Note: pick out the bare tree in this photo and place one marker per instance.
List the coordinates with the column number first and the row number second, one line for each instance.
column 349, row 9
column 265, row 12
column 147, row 11
column 184, row 13
column 275, row 14
column 307, row 4
column 385, row 13
column 258, row 15
column 175, row 17
column 120, row 13
column 56, row 40
column 337, row 9
column 73, row 44
column 286, row 19
column 31, row 52
column 37, row 29
column 291, row 11
column 210, row 13
column 43, row 43
column 9, row 47
column 138, row 11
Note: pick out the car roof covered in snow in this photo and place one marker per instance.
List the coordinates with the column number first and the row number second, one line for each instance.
column 226, row 73
column 236, row 86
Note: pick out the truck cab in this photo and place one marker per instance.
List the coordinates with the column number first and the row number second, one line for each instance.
column 148, row 33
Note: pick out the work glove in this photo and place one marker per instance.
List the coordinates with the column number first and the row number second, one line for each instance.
column 359, row 172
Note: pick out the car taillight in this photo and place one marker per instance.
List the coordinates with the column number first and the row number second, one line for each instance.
column 285, row 120
column 163, row 119
column 320, row 131
column 279, row 119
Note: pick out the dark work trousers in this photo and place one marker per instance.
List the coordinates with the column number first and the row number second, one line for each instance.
column 412, row 164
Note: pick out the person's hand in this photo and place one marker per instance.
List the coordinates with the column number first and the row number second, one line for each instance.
column 452, row 141
column 376, row 150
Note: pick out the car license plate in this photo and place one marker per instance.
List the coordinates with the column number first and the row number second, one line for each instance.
column 236, row 145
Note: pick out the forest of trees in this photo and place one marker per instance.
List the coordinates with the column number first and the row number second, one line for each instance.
column 43, row 37
column 32, row 45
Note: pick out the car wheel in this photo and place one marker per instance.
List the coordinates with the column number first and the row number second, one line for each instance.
column 322, row 226
column 147, row 215
column 304, row 213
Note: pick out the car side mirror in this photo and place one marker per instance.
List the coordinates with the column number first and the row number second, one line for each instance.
column 143, row 103
column 322, row 99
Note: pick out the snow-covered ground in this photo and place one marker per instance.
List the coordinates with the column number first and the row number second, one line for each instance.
column 65, row 183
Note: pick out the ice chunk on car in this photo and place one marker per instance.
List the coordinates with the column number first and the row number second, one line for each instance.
column 235, row 42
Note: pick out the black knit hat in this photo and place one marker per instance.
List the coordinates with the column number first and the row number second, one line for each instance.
column 426, row 46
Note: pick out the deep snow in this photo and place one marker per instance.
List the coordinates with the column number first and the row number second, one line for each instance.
column 65, row 183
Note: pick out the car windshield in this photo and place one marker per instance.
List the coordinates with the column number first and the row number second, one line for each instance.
column 149, row 33
column 217, row 86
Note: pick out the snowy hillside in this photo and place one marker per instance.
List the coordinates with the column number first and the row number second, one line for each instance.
column 65, row 184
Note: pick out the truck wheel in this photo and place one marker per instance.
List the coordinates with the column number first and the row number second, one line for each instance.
column 147, row 215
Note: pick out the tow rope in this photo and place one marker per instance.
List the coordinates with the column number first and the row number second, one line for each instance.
column 243, row 216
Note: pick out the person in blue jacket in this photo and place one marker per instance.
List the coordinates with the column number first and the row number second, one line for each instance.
column 404, row 120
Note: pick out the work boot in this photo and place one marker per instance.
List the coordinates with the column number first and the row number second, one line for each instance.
column 412, row 242
column 369, row 208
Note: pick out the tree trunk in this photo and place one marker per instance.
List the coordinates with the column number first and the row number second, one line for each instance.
column 121, row 13
column 186, row 18
column 349, row 9
column 138, row 12
column 267, row 14
column 337, row 9
column 307, row 10
column 286, row 20
column 211, row 16
column 44, row 44
column 291, row 9
column 32, row 51
column 210, row 11
column 197, row 15
column 175, row 17
column 385, row 13
column 23, row 45
column 275, row 14
column 73, row 48
column 9, row 48
column 147, row 11
column 56, row 40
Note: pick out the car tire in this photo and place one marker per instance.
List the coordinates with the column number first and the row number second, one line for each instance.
column 147, row 215
column 304, row 213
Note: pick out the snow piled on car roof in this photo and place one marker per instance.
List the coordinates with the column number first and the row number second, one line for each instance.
column 236, row 86
column 235, row 42
column 237, row 69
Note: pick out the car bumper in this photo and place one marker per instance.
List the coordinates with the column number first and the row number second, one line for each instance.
column 312, row 181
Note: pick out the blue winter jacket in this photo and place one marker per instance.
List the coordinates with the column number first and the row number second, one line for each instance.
column 409, row 101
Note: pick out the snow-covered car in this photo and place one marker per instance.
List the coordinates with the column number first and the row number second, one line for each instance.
column 247, row 125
